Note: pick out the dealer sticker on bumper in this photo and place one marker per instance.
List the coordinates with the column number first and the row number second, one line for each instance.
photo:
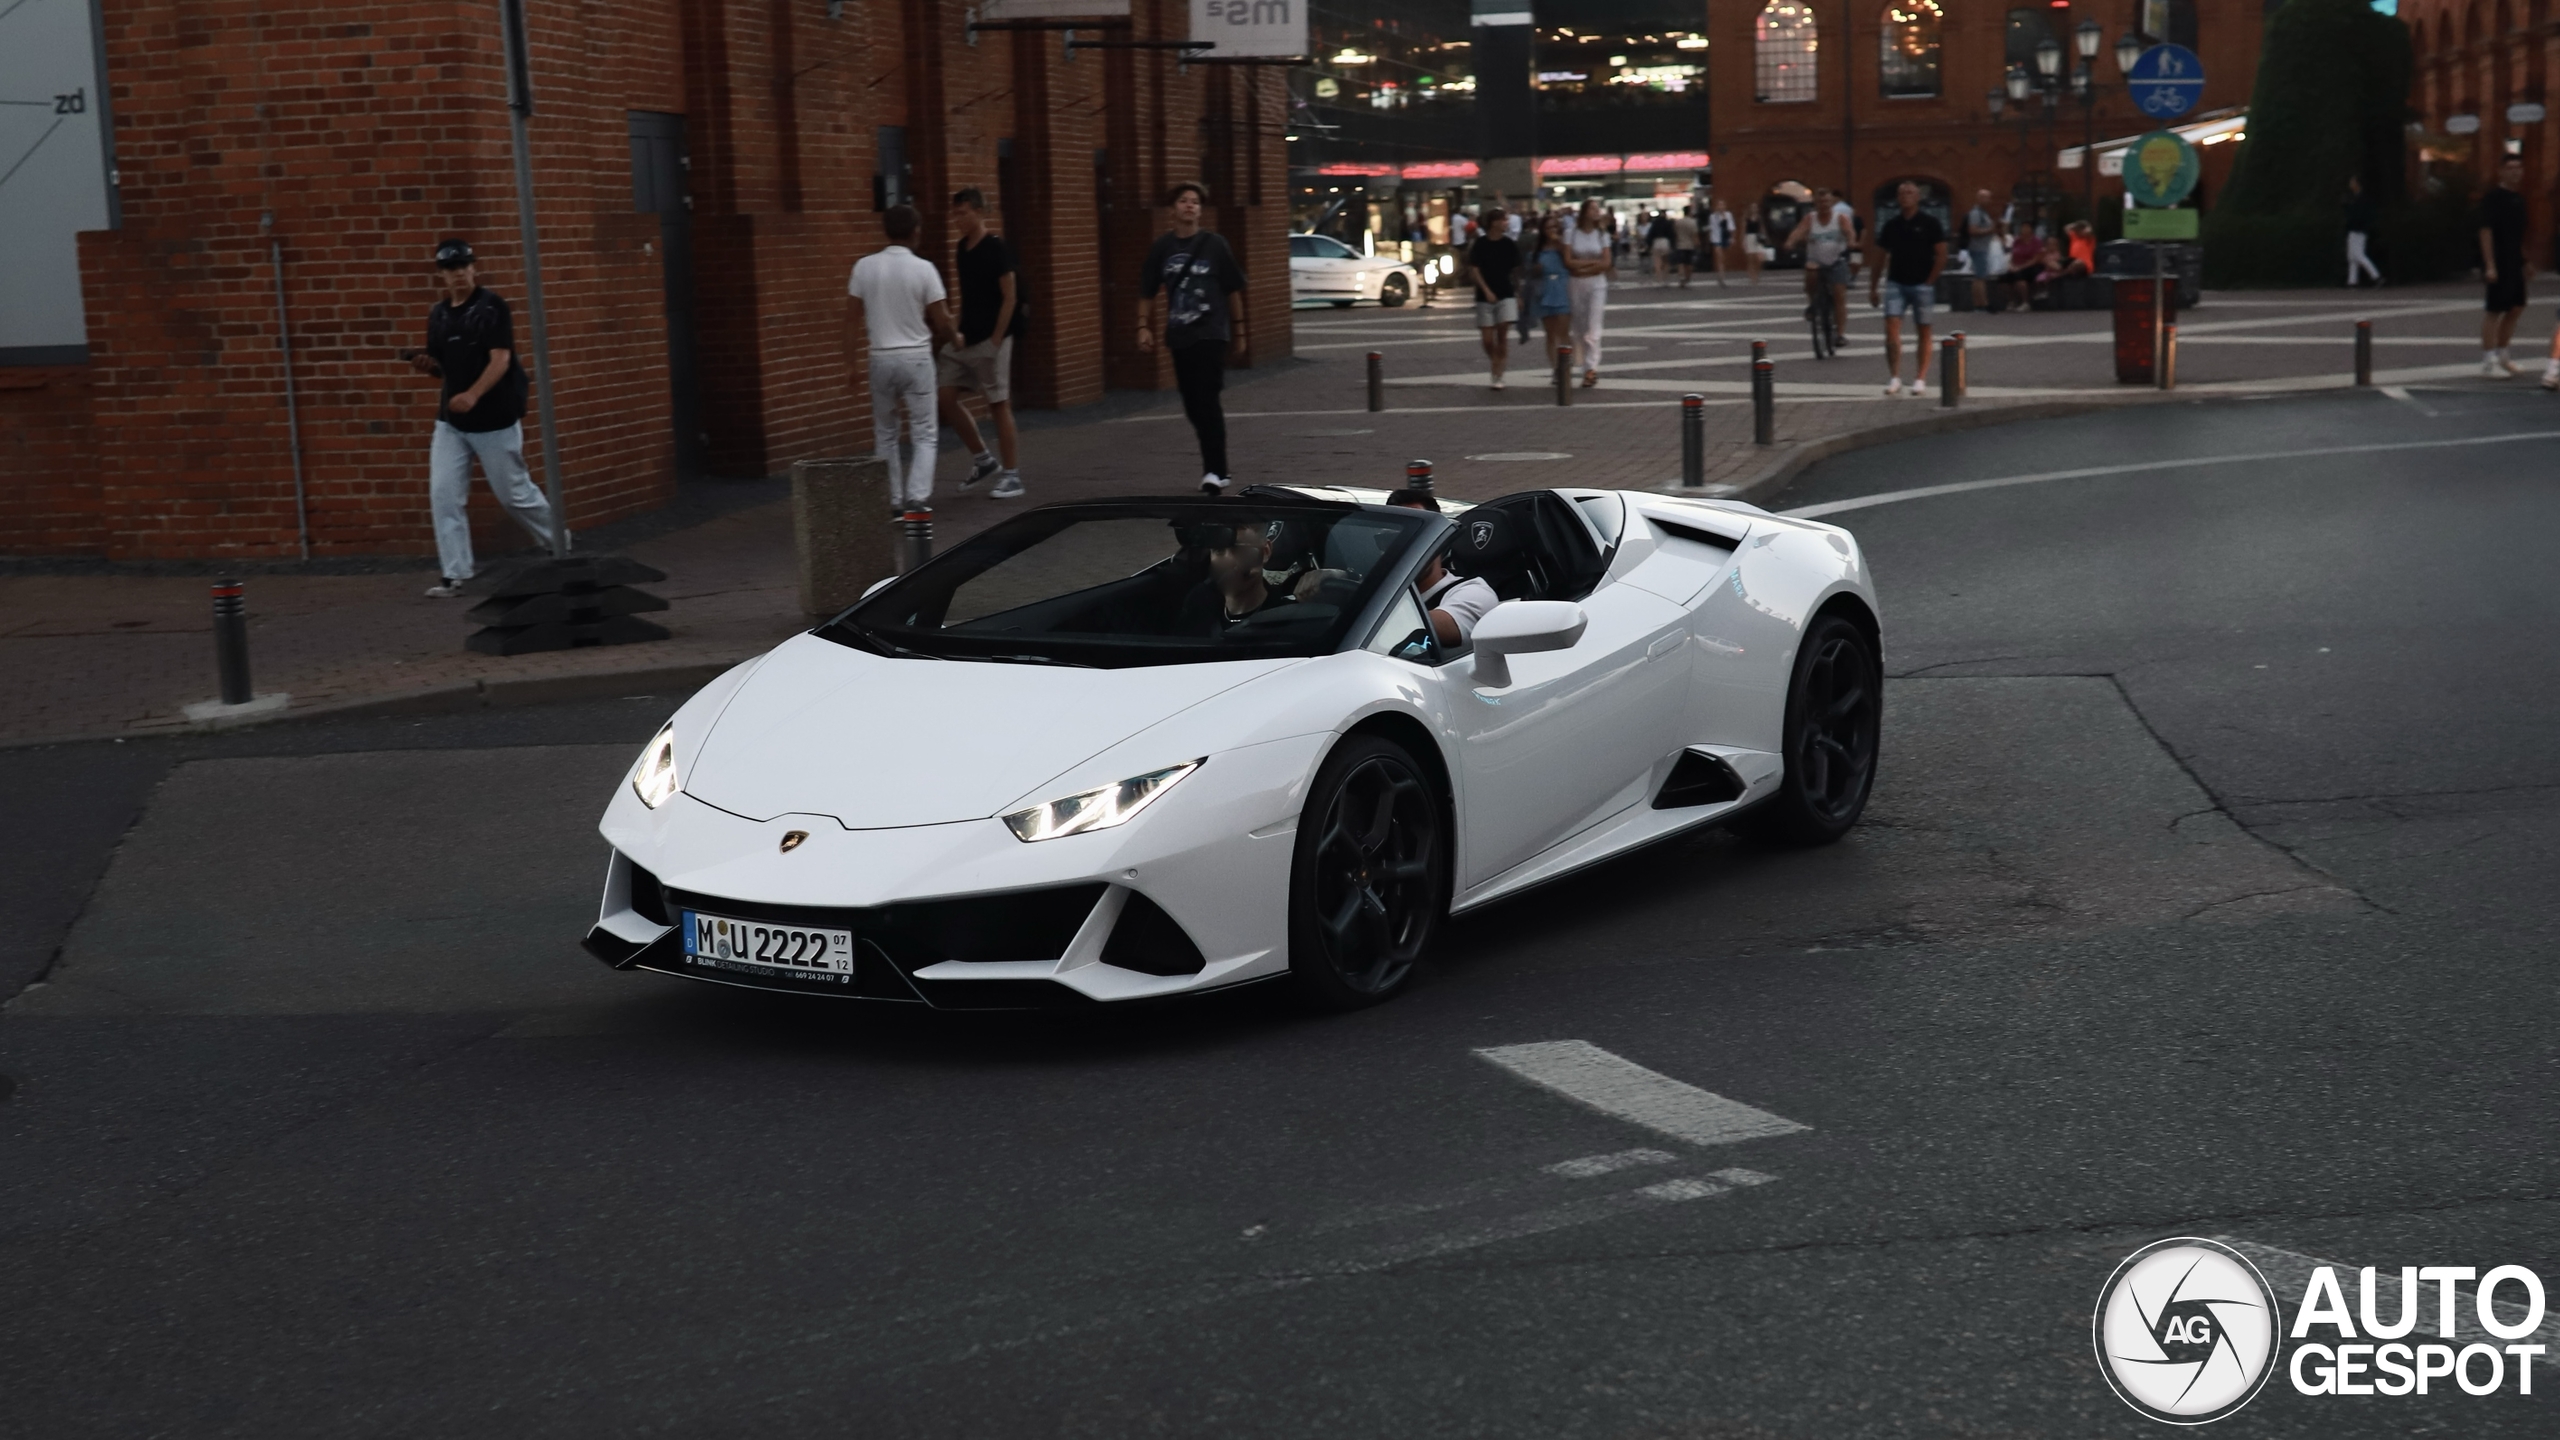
column 768, row 949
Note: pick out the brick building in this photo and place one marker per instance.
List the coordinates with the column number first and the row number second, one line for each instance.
column 1867, row 93
column 736, row 152
column 2483, row 85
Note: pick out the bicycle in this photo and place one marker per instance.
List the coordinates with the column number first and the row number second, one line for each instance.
column 1826, row 330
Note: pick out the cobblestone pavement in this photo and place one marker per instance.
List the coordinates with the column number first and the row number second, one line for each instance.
column 97, row 655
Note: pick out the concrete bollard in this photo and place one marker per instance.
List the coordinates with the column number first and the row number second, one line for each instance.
column 1377, row 381
column 2364, row 352
column 1417, row 475
column 231, row 642
column 1693, row 441
column 1564, row 374
column 1764, row 403
column 2168, row 376
column 841, row 530
column 1950, row 361
column 1962, row 375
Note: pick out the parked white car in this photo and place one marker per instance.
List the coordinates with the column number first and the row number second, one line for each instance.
column 1323, row 268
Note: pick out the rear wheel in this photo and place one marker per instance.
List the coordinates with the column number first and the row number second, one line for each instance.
column 1835, row 714
column 1341, row 304
column 1394, row 291
column 1367, row 885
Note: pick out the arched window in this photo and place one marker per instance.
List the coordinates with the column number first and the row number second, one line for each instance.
column 1909, row 58
column 1784, row 42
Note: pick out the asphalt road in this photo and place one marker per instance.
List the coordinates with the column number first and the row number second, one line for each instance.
column 2207, row 890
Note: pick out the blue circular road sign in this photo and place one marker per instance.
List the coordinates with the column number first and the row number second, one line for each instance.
column 2166, row 82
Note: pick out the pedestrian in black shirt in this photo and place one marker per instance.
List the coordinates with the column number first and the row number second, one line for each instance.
column 990, row 316
column 1493, row 264
column 1203, row 292
column 2501, row 223
column 471, row 342
column 1912, row 248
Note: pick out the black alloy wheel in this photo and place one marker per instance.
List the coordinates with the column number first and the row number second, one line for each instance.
column 1394, row 291
column 1369, row 882
column 1835, row 718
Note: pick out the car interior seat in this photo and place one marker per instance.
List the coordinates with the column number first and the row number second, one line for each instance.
column 1492, row 545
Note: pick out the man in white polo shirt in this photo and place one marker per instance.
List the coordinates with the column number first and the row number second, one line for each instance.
column 898, row 297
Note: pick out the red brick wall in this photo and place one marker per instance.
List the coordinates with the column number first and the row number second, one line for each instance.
column 48, row 489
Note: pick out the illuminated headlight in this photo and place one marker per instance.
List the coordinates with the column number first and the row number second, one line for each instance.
column 655, row 781
column 1097, row 809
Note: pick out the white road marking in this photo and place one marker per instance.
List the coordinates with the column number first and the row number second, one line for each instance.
column 1890, row 497
column 1687, row 1188
column 1578, row 404
column 1619, row 1087
column 1538, row 1222
column 2289, row 1271
column 2401, row 394
column 1590, row 1165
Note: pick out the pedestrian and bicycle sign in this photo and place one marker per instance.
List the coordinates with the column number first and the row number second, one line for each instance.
column 2166, row 82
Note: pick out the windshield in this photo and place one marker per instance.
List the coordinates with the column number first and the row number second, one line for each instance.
column 1143, row 582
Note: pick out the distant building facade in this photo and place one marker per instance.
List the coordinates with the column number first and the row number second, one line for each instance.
column 2483, row 88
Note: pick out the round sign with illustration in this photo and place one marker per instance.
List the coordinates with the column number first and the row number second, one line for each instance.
column 2160, row 169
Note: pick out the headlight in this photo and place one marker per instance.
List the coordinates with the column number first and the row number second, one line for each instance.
column 655, row 781
column 1097, row 809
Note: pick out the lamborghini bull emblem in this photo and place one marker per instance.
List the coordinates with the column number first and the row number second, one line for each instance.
column 1480, row 534
column 791, row 840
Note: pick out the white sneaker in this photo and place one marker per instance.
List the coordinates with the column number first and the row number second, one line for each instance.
column 2551, row 379
column 1497, row 382
column 1919, row 389
column 981, row 465
column 444, row 590
column 1213, row 486
column 2508, row 366
column 2491, row 370
column 1008, row 488
column 1894, row 387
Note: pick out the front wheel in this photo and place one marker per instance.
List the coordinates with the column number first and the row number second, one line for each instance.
column 1369, row 879
column 1394, row 291
column 1341, row 304
column 1835, row 715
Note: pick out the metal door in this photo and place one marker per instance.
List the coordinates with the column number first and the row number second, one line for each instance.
column 659, row 168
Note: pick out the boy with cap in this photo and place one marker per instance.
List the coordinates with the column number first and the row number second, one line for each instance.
column 471, row 343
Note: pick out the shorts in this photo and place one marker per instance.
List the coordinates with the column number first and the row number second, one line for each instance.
column 2507, row 291
column 985, row 367
column 1986, row 259
column 1835, row 273
column 1661, row 247
column 1684, row 257
column 1490, row 313
column 1913, row 300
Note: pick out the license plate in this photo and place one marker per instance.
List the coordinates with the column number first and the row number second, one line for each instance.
column 768, row 949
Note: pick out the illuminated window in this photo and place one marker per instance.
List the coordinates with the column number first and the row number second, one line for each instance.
column 1784, row 42
column 2027, row 29
column 1909, row 61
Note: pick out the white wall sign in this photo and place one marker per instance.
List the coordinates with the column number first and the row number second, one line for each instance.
column 2462, row 124
column 1251, row 29
column 2524, row 112
column 53, row 176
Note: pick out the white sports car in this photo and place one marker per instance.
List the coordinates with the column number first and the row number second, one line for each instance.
column 1119, row 749
column 1323, row 268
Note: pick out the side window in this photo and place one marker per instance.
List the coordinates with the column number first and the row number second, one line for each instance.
column 1302, row 246
column 1405, row 634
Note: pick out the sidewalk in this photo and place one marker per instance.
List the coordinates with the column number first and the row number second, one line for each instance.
column 97, row 655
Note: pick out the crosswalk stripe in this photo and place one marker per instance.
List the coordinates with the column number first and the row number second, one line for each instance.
column 1614, row 1085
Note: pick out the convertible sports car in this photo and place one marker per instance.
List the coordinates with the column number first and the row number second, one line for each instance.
column 1118, row 749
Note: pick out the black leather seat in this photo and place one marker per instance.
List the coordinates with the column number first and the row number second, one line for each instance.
column 1493, row 546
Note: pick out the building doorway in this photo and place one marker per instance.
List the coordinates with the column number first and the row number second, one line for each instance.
column 658, row 186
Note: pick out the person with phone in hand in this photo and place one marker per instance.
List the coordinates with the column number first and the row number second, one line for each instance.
column 479, row 414
column 1202, row 315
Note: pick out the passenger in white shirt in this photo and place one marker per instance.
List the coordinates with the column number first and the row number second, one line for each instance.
column 1455, row 603
column 899, row 300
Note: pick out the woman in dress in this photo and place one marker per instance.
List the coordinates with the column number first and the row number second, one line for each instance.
column 1588, row 256
column 1547, row 294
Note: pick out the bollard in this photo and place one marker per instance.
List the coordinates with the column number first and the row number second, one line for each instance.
column 1959, row 376
column 1764, row 403
column 1417, row 475
column 2364, row 352
column 2168, row 376
column 1693, row 441
column 1377, row 381
column 1759, row 351
column 231, row 642
column 1564, row 374
column 1949, row 388
column 916, row 542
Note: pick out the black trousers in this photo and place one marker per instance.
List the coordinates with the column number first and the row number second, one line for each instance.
column 1200, row 371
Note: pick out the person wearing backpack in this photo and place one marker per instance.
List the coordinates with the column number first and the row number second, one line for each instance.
column 1203, row 314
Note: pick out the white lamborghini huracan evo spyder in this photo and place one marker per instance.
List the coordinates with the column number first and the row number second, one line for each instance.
column 1119, row 749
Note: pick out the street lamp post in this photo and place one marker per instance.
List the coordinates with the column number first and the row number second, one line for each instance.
column 2049, row 85
column 2019, row 86
column 2084, row 79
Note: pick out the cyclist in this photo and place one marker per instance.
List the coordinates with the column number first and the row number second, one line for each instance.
column 1825, row 235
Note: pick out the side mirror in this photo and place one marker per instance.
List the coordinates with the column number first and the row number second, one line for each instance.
column 1523, row 627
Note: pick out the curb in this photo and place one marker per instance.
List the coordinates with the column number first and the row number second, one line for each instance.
column 1781, row 472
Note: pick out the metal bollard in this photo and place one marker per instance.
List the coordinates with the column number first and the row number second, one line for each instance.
column 1693, row 441
column 231, row 642
column 1764, row 403
column 2168, row 376
column 1950, row 358
column 1417, row 475
column 916, row 542
column 1377, row 381
column 1961, row 375
column 2364, row 352
column 1564, row 374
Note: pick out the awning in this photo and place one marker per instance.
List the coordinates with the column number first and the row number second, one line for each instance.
column 2215, row 127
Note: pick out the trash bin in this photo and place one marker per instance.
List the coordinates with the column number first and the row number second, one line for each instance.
column 2135, row 324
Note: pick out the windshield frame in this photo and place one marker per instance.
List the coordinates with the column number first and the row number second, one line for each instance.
column 1422, row 534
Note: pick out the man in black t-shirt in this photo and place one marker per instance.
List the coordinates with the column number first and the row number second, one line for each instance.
column 991, row 313
column 1493, row 264
column 1203, row 291
column 1911, row 249
column 471, row 343
column 2502, row 268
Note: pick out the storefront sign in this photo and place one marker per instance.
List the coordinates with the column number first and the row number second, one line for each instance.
column 1251, row 29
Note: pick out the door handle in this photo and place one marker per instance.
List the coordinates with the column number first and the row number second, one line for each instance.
column 1664, row 646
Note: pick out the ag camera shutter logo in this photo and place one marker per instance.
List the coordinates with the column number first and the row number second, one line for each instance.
column 2186, row 1331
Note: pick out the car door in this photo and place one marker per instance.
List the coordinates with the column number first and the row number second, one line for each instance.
column 1342, row 267
column 1306, row 271
column 1573, row 739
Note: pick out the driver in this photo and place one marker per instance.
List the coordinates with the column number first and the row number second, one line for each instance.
column 1455, row 604
column 1235, row 590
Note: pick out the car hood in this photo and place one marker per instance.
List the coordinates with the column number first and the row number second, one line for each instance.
column 876, row 743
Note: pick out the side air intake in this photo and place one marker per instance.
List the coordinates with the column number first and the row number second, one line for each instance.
column 1698, row 780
